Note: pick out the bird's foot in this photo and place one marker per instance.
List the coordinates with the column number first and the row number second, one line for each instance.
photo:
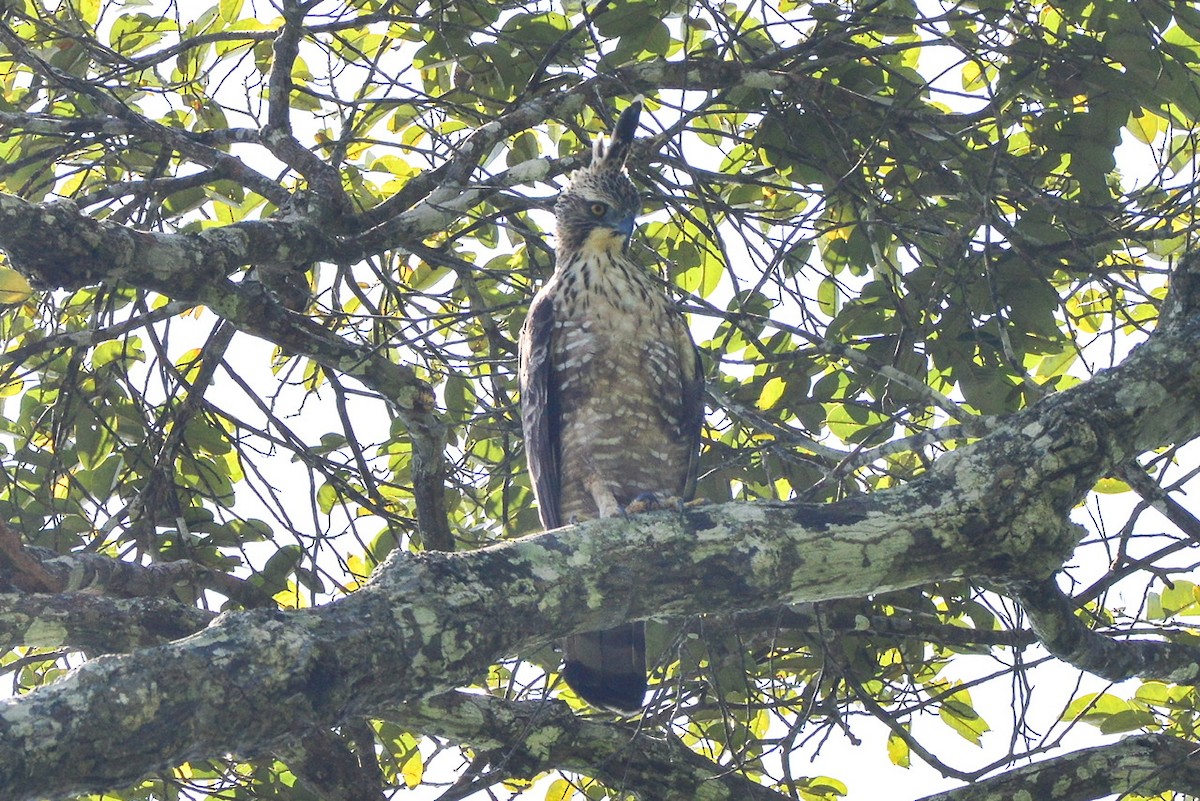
column 653, row 502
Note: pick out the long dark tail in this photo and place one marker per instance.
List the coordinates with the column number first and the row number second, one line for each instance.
column 608, row 668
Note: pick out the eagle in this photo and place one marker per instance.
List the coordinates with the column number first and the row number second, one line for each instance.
column 612, row 394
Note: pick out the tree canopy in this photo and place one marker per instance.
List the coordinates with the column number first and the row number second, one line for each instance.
column 269, row 531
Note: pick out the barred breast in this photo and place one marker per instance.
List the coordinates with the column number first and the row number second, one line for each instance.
column 616, row 344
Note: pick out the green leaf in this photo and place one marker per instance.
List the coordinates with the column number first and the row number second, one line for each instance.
column 854, row 424
column 828, row 298
column 1145, row 125
column 94, row 440
column 132, row 33
column 125, row 351
column 1094, row 706
column 524, row 148
column 279, row 566
column 1127, row 720
column 958, row 713
column 1111, row 486
column 327, row 498
column 1180, row 599
column 822, row 788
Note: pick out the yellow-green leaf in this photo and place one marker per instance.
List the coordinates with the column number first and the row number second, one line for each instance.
column 1145, row 125
column 560, row 790
column 827, row 297
column 772, row 391
column 229, row 10
column 897, row 750
column 1111, row 486
column 413, row 770
column 14, row 288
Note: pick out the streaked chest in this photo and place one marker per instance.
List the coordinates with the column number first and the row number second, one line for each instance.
column 612, row 327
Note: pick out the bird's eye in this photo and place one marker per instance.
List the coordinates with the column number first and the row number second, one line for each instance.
column 598, row 209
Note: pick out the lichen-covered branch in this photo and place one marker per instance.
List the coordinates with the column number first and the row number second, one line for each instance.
column 432, row 622
column 95, row 624
column 1145, row 765
column 32, row 569
column 847, row 618
column 1053, row 618
column 525, row 738
column 89, row 251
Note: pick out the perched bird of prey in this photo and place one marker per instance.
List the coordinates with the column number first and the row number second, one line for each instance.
column 611, row 394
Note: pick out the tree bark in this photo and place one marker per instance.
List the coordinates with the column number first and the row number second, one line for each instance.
column 1147, row 764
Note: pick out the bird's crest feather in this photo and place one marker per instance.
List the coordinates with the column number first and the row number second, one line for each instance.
column 610, row 156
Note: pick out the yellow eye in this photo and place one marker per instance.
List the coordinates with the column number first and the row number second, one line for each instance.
column 598, row 209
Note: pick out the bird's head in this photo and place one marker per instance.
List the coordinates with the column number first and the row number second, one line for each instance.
column 598, row 207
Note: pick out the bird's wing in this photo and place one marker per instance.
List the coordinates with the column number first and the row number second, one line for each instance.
column 540, row 416
column 692, row 406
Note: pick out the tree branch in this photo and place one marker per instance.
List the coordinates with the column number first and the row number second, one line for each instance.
column 95, row 624
column 1146, row 765
column 1052, row 616
column 525, row 738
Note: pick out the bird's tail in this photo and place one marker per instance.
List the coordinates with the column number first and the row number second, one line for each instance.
column 608, row 668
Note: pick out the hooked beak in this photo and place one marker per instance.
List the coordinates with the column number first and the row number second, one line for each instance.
column 625, row 226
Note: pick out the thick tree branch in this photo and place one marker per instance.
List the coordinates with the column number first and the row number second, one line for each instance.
column 1052, row 616
column 426, row 203
column 1146, row 765
column 95, row 624
column 430, row 623
column 787, row 579
column 88, row 251
column 284, row 51
column 323, row 178
column 524, row 738
column 39, row 570
column 848, row 619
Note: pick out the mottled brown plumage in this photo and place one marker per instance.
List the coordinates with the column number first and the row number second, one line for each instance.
column 611, row 393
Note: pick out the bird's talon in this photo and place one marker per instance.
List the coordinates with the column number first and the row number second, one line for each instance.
column 645, row 502
column 653, row 502
column 641, row 504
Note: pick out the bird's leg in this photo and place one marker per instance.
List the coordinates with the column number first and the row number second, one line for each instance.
column 603, row 497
